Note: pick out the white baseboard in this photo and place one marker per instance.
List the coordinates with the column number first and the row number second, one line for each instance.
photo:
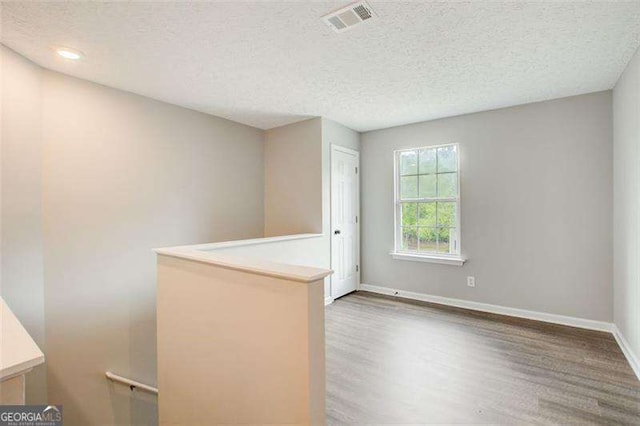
column 634, row 361
column 494, row 309
column 328, row 300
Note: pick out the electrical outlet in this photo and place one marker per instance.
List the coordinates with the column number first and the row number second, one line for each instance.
column 471, row 281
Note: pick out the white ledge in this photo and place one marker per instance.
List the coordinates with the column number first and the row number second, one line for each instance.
column 19, row 352
column 207, row 253
column 444, row 260
column 236, row 243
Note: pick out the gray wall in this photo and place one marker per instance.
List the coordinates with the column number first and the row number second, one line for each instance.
column 536, row 207
column 298, row 177
column 333, row 133
column 298, row 174
column 626, row 207
column 117, row 175
column 124, row 174
column 293, row 179
column 22, row 280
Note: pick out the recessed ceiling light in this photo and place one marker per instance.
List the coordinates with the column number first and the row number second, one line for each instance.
column 69, row 53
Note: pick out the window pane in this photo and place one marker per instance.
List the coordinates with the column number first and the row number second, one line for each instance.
column 410, row 238
column 448, row 159
column 427, row 239
column 408, row 163
column 409, row 187
column 447, row 240
column 447, row 214
column 409, row 214
column 448, row 185
column 427, row 186
column 427, row 161
column 427, row 214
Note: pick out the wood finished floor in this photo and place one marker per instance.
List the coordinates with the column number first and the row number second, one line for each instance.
column 393, row 360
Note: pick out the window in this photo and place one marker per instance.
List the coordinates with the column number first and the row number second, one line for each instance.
column 427, row 202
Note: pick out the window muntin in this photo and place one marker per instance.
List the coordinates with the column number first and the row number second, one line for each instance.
column 428, row 201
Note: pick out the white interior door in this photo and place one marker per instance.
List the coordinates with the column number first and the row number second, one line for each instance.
column 345, row 209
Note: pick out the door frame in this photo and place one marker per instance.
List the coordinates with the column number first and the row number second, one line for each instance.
column 345, row 150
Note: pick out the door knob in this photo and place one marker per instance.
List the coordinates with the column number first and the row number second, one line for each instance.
column 336, row 232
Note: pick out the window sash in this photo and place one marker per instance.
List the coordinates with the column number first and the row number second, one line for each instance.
column 439, row 244
column 428, row 200
column 398, row 201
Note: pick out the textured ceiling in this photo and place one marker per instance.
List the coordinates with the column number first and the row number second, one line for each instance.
column 271, row 63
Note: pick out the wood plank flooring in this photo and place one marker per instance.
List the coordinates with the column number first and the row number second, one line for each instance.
column 392, row 360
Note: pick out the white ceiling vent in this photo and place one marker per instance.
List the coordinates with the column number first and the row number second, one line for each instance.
column 350, row 16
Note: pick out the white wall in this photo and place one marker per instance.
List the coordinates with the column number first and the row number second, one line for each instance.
column 114, row 175
column 536, row 207
column 22, row 281
column 626, row 190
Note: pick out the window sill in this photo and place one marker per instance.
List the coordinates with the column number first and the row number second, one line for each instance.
column 444, row 260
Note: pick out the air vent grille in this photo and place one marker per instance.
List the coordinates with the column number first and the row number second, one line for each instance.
column 362, row 12
column 350, row 16
column 336, row 22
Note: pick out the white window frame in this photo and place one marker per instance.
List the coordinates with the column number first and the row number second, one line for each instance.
column 398, row 253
